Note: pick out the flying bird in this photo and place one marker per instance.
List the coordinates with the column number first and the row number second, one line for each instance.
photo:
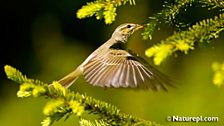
column 112, row 65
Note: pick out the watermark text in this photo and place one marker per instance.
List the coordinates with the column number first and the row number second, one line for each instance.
column 196, row 119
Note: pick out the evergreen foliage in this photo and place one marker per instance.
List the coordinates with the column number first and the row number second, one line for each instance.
column 63, row 103
column 166, row 15
column 102, row 9
column 183, row 41
column 213, row 3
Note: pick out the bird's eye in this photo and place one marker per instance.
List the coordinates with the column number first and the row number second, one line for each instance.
column 128, row 26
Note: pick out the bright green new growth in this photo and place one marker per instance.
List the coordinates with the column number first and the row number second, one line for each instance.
column 218, row 70
column 102, row 9
column 84, row 122
column 166, row 15
column 63, row 103
column 184, row 41
column 213, row 3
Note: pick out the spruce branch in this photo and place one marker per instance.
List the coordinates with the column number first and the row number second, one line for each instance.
column 218, row 69
column 84, row 122
column 102, row 9
column 63, row 103
column 167, row 15
column 213, row 3
column 170, row 12
column 204, row 31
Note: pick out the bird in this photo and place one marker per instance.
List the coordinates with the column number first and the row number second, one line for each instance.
column 113, row 66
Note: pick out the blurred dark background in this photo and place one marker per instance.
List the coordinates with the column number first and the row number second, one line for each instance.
column 45, row 40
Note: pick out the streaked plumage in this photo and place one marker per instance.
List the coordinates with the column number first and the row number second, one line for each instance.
column 112, row 66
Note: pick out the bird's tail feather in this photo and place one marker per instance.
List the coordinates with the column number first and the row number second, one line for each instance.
column 69, row 79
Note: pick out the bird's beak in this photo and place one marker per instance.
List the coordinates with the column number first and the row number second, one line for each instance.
column 138, row 27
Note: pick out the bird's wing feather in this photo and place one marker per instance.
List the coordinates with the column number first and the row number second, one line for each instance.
column 118, row 68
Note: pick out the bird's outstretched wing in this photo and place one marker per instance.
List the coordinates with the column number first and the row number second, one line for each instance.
column 119, row 68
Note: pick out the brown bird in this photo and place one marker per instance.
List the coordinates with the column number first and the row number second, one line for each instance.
column 111, row 65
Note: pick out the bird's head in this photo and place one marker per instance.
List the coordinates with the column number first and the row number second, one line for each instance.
column 123, row 32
